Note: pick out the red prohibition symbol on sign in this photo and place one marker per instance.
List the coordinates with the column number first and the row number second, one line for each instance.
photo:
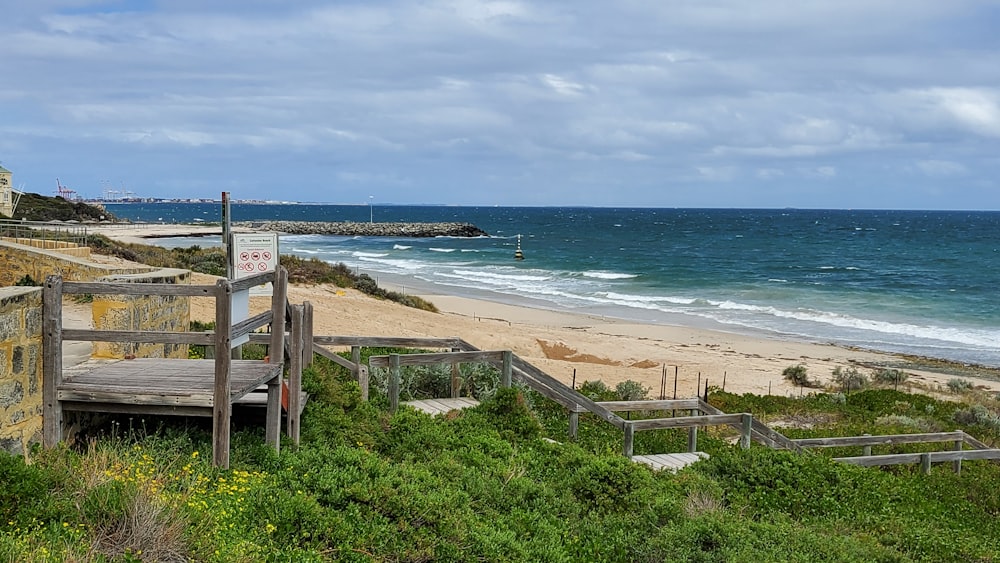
column 255, row 256
column 265, row 255
column 262, row 266
column 244, row 256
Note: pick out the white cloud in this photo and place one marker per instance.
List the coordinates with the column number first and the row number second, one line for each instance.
column 577, row 94
column 941, row 167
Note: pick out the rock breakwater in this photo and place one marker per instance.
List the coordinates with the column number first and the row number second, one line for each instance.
column 366, row 229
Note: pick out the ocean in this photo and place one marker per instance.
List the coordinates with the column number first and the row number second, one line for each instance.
column 914, row 282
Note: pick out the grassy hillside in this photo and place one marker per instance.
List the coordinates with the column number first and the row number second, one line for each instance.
column 35, row 207
column 482, row 485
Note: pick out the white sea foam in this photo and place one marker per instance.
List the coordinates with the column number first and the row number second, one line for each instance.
column 608, row 275
column 359, row 254
column 432, row 249
column 401, row 247
column 969, row 337
column 491, row 274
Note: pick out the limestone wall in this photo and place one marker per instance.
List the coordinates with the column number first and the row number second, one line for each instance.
column 143, row 312
column 18, row 260
column 20, row 367
column 21, row 327
column 63, row 247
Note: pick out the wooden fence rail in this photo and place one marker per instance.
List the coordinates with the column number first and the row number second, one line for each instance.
column 174, row 386
column 395, row 362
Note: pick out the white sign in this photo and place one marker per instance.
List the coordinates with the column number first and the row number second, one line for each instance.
column 252, row 254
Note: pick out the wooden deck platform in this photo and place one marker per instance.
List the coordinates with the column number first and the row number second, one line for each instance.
column 442, row 406
column 670, row 462
column 156, row 386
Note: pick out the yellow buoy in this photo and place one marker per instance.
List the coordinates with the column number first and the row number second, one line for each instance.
column 518, row 255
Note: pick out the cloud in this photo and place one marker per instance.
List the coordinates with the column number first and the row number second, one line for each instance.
column 551, row 100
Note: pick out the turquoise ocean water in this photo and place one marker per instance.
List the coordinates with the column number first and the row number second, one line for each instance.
column 920, row 282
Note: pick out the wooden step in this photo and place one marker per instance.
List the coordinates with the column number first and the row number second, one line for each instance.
column 670, row 462
column 442, row 406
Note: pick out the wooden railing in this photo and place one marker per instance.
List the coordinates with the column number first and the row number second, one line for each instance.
column 500, row 359
column 700, row 412
column 958, row 439
column 222, row 339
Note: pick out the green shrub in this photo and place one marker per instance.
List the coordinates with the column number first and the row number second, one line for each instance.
column 508, row 411
column 610, row 483
column 978, row 415
column 798, row 375
column 597, row 391
column 890, row 376
column 849, row 379
column 27, row 281
column 630, row 390
column 958, row 385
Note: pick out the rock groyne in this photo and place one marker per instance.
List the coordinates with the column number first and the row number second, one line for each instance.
column 366, row 229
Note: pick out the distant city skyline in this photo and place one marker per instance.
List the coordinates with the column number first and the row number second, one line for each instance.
column 822, row 104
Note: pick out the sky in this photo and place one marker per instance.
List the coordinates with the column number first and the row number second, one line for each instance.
column 660, row 103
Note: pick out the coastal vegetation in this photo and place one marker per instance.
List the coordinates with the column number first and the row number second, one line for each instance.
column 212, row 261
column 36, row 207
column 483, row 484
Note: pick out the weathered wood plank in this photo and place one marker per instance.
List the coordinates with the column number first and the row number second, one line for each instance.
column 386, row 342
column 246, row 283
column 123, row 408
column 687, row 421
column 121, row 288
column 430, row 359
column 670, row 462
column 246, row 326
column 935, row 457
column 52, row 367
column 87, row 335
column 295, row 354
column 307, row 334
column 650, row 405
column 442, row 406
column 221, row 407
column 334, row 357
column 885, row 440
column 279, row 297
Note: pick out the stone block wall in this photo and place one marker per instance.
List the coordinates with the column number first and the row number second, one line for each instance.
column 18, row 260
column 20, row 367
column 63, row 247
column 143, row 313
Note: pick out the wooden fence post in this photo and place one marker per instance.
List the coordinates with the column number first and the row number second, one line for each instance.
column 307, row 334
column 51, row 361
column 629, row 440
column 356, row 360
column 363, row 381
column 295, row 372
column 693, row 436
column 747, row 426
column 456, row 378
column 222, row 407
column 956, row 465
column 394, row 377
column 574, row 424
column 508, row 359
column 867, row 450
column 925, row 463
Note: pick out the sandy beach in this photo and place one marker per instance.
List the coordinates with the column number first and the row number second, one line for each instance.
column 595, row 348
